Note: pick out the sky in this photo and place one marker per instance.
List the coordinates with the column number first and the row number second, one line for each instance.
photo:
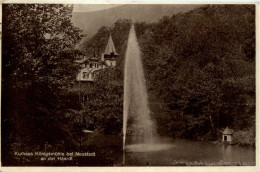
column 92, row 7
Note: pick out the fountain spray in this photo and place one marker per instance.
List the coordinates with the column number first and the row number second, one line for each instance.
column 135, row 93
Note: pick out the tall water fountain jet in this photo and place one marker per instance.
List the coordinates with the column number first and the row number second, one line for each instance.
column 136, row 106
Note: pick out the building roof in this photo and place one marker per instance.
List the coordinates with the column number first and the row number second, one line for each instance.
column 110, row 48
column 227, row 131
column 88, row 60
column 80, row 61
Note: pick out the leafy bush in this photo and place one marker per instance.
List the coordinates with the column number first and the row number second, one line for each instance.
column 244, row 138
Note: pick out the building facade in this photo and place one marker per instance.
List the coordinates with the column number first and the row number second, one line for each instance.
column 90, row 66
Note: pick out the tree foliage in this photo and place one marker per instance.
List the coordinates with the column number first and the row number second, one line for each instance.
column 104, row 108
column 199, row 68
column 39, row 43
column 37, row 70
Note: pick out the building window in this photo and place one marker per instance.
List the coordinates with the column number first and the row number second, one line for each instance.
column 225, row 138
column 85, row 75
column 84, row 98
column 90, row 65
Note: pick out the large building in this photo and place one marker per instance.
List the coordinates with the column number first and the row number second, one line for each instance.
column 91, row 65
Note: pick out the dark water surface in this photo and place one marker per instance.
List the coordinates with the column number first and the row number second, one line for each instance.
column 164, row 150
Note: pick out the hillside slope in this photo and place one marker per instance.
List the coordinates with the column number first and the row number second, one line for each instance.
column 90, row 22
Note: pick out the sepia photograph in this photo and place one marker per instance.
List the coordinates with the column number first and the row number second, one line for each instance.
column 128, row 85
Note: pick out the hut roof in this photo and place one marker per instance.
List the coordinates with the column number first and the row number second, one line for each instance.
column 227, row 131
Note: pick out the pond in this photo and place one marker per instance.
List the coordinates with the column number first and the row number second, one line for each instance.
column 162, row 151
column 166, row 150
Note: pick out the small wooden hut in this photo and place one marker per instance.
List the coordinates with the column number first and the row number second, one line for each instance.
column 227, row 135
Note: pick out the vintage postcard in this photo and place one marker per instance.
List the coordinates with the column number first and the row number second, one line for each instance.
column 128, row 85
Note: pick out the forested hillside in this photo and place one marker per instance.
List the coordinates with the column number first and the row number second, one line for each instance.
column 200, row 70
column 90, row 22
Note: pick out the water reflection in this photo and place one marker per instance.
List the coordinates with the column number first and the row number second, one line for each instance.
column 162, row 151
column 165, row 150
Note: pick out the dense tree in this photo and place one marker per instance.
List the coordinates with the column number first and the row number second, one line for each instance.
column 104, row 108
column 37, row 70
column 199, row 70
column 38, row 43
